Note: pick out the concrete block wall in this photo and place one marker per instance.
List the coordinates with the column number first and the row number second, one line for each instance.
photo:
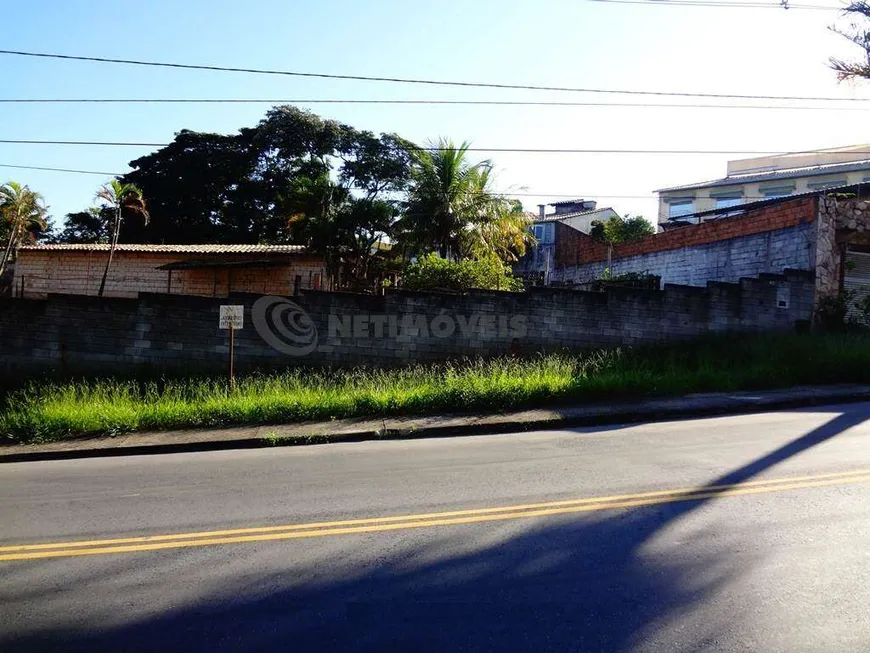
column 180, row 333
column 767, row 239
column 725, row 260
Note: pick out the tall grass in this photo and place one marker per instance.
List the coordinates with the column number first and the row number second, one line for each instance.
column 49, row 411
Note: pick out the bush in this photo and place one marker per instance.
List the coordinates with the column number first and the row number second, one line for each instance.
column 435, row 273
column 832, row 312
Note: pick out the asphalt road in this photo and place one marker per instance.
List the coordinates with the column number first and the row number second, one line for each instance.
column 743, row 533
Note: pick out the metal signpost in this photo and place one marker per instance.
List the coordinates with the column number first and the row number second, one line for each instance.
column 232, row 317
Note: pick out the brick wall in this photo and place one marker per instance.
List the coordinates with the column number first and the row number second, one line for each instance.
column 171, row 332
column 764, row 240
column 79, row 272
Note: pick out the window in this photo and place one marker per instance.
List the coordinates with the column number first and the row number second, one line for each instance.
column 538, row 230
column 680, row 209
column 828, row 183
column 725, row 202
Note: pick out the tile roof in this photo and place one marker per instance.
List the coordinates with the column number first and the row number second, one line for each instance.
column 773, row 175
column 564, row 202
column 172, row 249
column 554, row 217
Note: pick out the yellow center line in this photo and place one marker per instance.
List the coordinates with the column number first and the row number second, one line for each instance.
column 376, row 525
column 683, row 492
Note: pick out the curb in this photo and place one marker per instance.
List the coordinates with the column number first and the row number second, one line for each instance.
column 720, row 405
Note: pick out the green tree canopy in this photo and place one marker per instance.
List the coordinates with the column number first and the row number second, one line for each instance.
column 452, row 208
column 256, row 186
column 621, row 230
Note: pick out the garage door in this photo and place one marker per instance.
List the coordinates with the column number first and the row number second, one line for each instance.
column 857, row 279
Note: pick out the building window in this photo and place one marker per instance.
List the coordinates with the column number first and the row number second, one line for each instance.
column 538, row 230
column 822, row 185
column 774, row 192
column 680, row 209
column 725, row 202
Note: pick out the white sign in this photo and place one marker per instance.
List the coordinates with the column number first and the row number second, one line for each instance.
column 232, row 317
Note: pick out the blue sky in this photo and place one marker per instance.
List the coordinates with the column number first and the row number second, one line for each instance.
column 544, row 42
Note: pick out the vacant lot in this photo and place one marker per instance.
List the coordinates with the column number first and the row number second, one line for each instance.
column 45, row 411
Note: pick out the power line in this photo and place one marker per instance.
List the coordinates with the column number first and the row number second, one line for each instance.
column 419, row 102
column 403, row 80
column 78, row 172
column 527, row 150
column 714, row 3
column 502, row 194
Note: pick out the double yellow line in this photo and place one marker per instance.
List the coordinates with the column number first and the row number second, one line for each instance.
column 426, row 520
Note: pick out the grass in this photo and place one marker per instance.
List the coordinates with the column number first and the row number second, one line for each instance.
column 49, row 411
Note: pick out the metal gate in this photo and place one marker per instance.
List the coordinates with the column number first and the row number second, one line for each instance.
column 857, row 278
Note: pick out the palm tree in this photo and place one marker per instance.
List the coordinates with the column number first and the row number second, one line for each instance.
column 449, row 197
column 23, row 209
column 505, row 234
column 120, row 197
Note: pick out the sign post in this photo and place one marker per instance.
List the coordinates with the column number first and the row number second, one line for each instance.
column 232, row 317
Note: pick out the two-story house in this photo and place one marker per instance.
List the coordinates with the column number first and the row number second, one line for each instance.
column 579, row 214
column 766, row 177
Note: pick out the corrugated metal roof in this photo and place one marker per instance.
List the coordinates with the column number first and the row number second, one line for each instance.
column 773, row 175
column 860, row 190
column 564, row 202
column 554, row 217
column 173, row 249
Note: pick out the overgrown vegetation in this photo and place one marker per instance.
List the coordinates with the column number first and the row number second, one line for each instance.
column 432, row 272
column 53, row 411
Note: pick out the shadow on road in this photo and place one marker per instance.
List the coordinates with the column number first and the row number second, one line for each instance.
column 590, row 582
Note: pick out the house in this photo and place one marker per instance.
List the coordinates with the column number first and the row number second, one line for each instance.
column 766, row 177
column 205, row 270
column 577, row 215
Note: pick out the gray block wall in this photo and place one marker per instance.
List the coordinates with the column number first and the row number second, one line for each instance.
column 181, row 334
column 725, row 260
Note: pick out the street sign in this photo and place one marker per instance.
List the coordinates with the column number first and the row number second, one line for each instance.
column 232, row 317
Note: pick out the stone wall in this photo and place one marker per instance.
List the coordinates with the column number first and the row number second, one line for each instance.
column 767, row 239
column 844, row 220
column 180, row 333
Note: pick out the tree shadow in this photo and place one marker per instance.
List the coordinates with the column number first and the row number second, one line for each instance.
column 598, row 581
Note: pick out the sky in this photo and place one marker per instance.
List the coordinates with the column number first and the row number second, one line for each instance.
column 574, row 43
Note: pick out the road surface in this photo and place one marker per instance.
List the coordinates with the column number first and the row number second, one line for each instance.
column 741, row 533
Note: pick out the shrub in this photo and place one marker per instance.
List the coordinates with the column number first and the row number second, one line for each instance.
column 435, row 273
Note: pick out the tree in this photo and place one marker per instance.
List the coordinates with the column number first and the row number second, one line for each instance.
column 452, row 209
column 91, row 226
column 507, row 235
column 621, row 230
column 120, row 197
column 858, row 32
column 23, row 211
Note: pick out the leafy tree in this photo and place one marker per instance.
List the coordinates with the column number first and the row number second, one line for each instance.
column 197, row 189
column 23, row 212
column 91, row 226
column 295, row 177
column 858, row 32
column 432, row 272
column 452, row 209
column 621, row 230
column 121, row 198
